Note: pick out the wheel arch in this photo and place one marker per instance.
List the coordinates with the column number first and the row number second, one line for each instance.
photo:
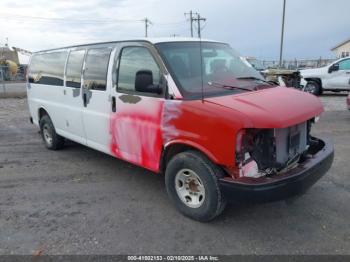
column 175, row 147
column 42, row 112
column 316, row 79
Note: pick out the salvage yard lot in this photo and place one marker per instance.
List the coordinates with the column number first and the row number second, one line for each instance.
column 80, row 201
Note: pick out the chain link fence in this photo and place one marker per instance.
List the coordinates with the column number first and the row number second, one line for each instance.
column 298, row 64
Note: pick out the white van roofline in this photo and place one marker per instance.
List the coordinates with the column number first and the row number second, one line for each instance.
column 157, row 40
column 152, row 40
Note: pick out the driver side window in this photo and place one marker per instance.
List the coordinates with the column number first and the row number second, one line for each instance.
column 134, row 60
column 344, row 65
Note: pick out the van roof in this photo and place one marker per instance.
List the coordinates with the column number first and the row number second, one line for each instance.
column 157, row 40
column 152, row 40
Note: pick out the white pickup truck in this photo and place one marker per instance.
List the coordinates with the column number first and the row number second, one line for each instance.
column 334, row 77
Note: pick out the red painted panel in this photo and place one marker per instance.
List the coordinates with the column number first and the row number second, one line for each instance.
column 135, row 131
column 273, row 108
column 141, row 129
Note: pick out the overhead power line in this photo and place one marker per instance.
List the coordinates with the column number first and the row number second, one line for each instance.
column 68, row 20
column 82, row 21
column 171, row 23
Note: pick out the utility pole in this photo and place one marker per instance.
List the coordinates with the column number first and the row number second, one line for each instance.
column 282, row 33
column 199, row 19
column 147, row 24
column 191, row 20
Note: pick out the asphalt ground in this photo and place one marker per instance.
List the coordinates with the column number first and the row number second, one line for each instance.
column 81, row 201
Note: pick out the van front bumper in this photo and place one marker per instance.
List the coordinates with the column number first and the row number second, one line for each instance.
column 293, row 182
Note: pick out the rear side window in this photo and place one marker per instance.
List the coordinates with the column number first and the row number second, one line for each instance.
column 74, row 68
column 48, row 69
column 134, row 59
column 96, row 67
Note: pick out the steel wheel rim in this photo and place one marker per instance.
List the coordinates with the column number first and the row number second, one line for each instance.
column 310, row 88
column 189, row 187
column 47, row 135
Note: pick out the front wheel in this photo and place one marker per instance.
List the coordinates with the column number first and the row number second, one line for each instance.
column 192, row 184
column 313, row 87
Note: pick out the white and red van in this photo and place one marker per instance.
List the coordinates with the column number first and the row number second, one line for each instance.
column 190, row 109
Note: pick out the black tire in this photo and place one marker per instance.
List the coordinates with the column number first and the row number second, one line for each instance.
column 214, row 202
column 313, row 87
column 52, row 140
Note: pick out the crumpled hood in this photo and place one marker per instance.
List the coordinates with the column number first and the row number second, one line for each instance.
column 278, row 107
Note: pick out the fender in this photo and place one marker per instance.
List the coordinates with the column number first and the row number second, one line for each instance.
column 41, row 107
column 194, row 145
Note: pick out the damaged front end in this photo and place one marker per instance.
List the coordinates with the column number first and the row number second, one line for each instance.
column 265, row 152
column 276, row 163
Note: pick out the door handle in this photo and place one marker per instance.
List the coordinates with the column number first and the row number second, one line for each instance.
column 348, row 73
column 84, row 99
column 114, row 108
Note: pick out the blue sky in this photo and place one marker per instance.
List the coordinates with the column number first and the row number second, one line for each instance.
column 252, row 27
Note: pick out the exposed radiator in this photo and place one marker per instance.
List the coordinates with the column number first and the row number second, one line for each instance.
column 290, row 142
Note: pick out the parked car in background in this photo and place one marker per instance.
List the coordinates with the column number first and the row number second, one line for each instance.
column 283, row 77
column 334, row 77
column 277, row 76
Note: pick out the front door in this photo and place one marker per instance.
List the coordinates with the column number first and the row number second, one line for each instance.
column 135, row 126
column 97, row 106
column 340, row 79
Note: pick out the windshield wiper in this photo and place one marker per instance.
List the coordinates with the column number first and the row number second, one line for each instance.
column 253, row 78
column 228, row 86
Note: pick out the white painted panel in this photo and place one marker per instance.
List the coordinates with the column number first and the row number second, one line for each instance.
column 96, row 114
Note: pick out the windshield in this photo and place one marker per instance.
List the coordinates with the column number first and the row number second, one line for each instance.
column 220, row 65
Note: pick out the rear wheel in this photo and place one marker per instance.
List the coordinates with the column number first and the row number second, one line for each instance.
column 192, row 184
column 313, row 87
column 52, row 140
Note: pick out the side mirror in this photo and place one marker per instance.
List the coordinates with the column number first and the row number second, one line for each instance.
column 144, row 82
column 332, row 68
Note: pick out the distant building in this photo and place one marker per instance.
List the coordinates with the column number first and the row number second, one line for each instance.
column 342, row 49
